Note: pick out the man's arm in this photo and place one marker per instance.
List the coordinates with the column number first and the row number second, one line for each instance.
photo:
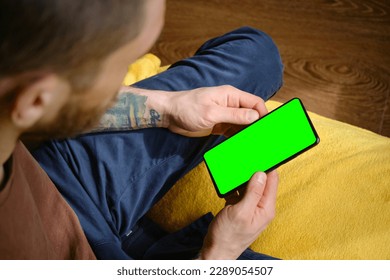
column 135, row 109
column 193, row 113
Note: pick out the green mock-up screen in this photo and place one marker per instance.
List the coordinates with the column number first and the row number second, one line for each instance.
column 265, row 144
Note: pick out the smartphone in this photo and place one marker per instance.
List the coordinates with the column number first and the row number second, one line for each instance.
column 267, row 143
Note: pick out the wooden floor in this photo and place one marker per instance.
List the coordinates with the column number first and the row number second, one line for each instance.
column 336, row 52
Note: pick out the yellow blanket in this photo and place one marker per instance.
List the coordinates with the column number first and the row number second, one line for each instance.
column 333, row 201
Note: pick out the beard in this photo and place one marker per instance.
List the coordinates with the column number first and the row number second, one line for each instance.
column 71, row 121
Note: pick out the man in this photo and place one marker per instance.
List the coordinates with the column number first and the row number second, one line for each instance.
column 62, row 66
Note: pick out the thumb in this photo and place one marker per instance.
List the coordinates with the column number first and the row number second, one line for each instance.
column 236, row 115
column 254, row 192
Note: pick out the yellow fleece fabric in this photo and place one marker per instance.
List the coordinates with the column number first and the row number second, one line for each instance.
column 333, row 201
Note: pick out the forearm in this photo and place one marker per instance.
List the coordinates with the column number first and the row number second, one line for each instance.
column 136, row 109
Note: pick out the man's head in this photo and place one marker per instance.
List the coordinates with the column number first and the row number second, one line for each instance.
column 62, row 62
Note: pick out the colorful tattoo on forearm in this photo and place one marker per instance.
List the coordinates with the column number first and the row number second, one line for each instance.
column 129, row 113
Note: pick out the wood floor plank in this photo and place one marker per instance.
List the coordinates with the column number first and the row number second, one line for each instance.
column 336, row 52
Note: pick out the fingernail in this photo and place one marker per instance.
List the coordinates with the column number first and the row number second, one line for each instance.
column 261, row 177
column 252, row 116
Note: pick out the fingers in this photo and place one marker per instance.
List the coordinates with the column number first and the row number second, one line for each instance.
column 261, row 192
column 260, row 107
column 254, row 193
column 237, row 106
column 268, row 200
column 241, row 99
column 235, row 115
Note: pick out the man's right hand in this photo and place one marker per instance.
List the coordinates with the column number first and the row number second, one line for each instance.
column 237, row 226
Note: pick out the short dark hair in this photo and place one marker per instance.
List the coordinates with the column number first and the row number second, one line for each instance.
column 66, row 37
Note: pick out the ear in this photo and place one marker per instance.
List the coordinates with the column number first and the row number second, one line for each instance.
column 35, row 101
